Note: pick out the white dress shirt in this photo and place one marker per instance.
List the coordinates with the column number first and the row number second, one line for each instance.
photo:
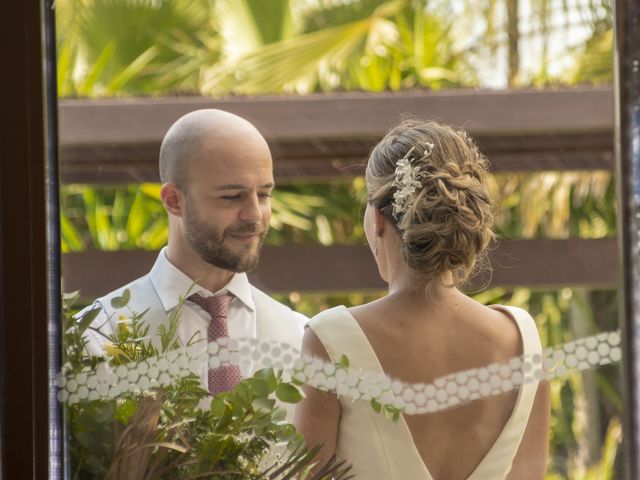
column 171, row 284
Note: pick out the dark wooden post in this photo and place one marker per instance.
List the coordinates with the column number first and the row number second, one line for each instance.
column 627, row 63
column 27, row 193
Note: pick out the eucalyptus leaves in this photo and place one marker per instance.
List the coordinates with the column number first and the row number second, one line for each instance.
column 160, row 431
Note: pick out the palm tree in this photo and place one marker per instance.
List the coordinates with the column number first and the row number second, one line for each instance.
column 372, row 45
column 117, row 47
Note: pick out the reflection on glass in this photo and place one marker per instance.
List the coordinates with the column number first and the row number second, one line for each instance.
column 140, row 412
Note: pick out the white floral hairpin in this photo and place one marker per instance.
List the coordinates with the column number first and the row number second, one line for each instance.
column 407, row 180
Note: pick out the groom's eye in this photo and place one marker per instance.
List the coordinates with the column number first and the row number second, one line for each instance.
column 232, row 197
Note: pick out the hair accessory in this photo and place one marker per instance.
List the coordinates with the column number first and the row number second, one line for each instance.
column 407, row 180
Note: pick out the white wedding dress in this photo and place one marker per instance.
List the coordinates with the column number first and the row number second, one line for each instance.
column 379, row 449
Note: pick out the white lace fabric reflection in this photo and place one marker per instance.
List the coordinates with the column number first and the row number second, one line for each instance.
column 445, row 392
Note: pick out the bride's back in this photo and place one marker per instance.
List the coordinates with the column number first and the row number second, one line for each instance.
column 418, row 341
column 428, row 222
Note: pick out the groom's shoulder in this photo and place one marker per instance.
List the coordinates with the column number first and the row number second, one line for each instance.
column 140, row 292
column 265, row 303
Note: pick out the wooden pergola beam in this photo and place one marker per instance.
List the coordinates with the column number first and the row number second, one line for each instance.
column 327, row 135
column 531, row 263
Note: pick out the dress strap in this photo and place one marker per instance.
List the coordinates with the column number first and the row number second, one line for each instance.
column 341, row 335
column 528, row 331
column 498, row 462
column 390, row 443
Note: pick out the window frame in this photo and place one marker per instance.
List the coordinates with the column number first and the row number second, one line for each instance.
column 31, row 440
column 31, row 443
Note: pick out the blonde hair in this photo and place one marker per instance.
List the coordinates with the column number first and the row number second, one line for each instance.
column 447, row 226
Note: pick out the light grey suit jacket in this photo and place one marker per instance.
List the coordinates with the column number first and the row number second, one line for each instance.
column 276, row 323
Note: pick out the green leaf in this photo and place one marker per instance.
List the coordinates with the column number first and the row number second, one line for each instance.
column 105, row 413
column 217, row 406
column 270, row 68
column 87, row 440
column 249, row 24
column 344, row 361
column 138, row 218
column 269, row 375
column 155, row 236
column 90, row 203
column 431, row 74
column 125, row 409
column 263, row 404
column 242, row 391
column 226, row 417
column 88, row 86
column 325, row 237
column 87, row 318
column 106, row 234
column 66, row 56
column 132, row 69
column 121, row 301
column 151, row 190
column 285, row 392
column 259, row 387
column 71, row 298
column 70, row 233
column 287, row 433
column 279, row 415
column 377, row 407
column 119, row 210
column 391, row 413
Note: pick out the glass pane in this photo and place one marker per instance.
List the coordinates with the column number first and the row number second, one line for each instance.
column 323, row 82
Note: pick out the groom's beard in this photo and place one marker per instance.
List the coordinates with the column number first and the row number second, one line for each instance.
column 217, row 247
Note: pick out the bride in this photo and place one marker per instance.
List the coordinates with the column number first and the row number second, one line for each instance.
column 428, row 223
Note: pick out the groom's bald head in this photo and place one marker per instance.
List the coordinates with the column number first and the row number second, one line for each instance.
column 201, row 132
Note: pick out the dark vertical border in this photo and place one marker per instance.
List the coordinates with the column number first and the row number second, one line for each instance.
column 52, row 179
column 627, row 64
column 23, row 244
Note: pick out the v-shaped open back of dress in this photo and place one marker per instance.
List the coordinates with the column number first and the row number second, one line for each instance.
column 379, row 449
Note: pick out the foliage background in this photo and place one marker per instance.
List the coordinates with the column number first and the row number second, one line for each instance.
column 239, row 47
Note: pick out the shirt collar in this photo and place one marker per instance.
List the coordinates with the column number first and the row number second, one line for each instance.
column 170, row 283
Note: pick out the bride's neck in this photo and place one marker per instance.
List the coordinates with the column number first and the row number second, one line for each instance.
column 406, row 284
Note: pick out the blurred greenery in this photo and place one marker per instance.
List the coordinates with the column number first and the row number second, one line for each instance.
column 539, row 205
column 112, row 218
column 223, row 47
column 127, row 217
column 554, row 204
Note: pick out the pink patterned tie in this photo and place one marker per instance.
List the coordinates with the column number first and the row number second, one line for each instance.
column 225, row 377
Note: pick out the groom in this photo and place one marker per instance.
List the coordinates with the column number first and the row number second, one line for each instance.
column 217, row 177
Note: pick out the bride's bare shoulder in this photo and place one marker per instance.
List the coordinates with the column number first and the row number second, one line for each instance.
column 496, row 326
column 367, row 309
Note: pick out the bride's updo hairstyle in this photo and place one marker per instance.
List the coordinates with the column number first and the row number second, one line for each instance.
column 445, row 220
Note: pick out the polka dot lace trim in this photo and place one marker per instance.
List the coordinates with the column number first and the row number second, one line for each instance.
column 107, row 382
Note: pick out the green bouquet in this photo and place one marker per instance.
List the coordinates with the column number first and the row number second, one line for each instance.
column 159, row 431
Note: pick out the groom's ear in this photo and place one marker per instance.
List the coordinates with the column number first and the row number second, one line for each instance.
column 171, row 198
